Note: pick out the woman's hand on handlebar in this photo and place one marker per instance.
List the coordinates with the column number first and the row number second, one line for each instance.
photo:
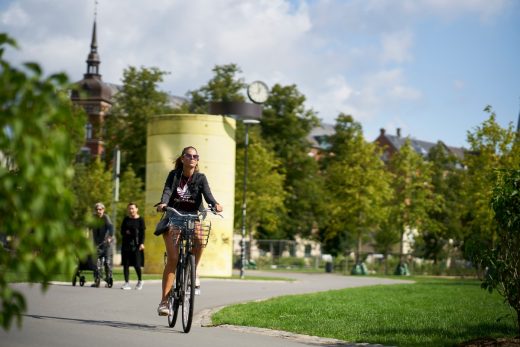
column 161, row 207
column 218, row 208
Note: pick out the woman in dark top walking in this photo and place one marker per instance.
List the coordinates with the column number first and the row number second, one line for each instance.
column 132, row 236
column 184, row 188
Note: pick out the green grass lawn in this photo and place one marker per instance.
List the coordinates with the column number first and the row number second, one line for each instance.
column 431, row 312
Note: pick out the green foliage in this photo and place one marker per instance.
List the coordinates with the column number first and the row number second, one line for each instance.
column 265, row 194
column 412, row 195
column 37, row 147
column 444, row 221
column 491, row 147
column 134, row 105
column 503, row 261
column 92, row 183
column 131, row 189
column 286, row 123
column 357, row 184
column 386, row 236
column 224, row 86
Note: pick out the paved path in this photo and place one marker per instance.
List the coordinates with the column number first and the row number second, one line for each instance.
column 83, row 316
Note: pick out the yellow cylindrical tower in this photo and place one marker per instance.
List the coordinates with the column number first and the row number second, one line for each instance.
column 214, row 139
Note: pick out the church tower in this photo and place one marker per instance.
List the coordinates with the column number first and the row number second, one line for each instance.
column 96, row 98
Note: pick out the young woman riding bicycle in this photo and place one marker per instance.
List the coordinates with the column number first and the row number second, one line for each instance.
column 184, row 188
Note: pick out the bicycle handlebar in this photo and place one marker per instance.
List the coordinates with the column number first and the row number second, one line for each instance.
column 203, row 212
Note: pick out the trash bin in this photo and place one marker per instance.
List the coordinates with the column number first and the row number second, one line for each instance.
column 327, row 258
column 328, row 267
column 359, row 269
column 402, row 270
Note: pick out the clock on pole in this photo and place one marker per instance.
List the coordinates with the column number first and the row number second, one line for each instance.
column 258, row 92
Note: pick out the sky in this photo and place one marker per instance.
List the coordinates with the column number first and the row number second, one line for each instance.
column 428, row 67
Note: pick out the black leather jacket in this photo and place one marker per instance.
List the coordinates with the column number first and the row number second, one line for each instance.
column 198, row 187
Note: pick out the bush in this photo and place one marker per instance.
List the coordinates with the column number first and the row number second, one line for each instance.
column 503, row 261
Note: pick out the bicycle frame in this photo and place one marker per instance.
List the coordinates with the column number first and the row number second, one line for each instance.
column 183, row 291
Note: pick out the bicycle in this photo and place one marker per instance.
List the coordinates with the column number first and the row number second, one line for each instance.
column 182, row 292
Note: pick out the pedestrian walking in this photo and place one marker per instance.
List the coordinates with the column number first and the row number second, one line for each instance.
column 132, row 245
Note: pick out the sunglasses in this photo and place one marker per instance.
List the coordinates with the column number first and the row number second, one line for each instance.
column 191, row 156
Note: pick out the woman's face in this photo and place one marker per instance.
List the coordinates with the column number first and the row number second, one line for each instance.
column 190, row 158
column 132, row 210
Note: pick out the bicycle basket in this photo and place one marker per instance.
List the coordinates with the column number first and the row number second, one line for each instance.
column 200, row 235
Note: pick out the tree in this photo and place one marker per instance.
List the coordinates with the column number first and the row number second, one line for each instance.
column 131, row 190
column 137, row 101
column 92, row 183
column 491, row 147
column 286, row 123
column 412, row 194
column 225, row 86
column 385, row 237
column 503, row 261
column 265, row 194
column 444, row 220
column 37, row 147
column 357, row 183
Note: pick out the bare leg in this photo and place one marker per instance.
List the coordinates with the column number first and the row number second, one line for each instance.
column 198, row 242
column 197, row 249
column 170, row 241
column 198, row 254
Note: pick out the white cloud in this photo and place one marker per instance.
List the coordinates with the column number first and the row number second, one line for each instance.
column 396, row 47
column 391, row 83
column 346, row 56
column 14, row 16
column 335, row 96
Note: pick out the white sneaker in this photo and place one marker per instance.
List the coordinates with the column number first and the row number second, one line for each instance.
column 139, row 285
column 163, row 310
column 126, row 286
column 197, row 281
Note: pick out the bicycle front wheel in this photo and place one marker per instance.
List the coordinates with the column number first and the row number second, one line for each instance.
column 173, row 308
column 189, row 293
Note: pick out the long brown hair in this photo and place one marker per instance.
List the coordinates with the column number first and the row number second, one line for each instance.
column 178, row 161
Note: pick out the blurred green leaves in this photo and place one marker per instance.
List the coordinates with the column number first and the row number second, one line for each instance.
column 39, row 131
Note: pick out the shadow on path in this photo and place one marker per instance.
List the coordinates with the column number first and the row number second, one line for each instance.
column 107, row 323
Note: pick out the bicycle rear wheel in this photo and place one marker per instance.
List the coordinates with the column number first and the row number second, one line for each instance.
column 189, row 293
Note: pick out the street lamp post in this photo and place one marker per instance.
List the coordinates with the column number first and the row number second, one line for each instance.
column 247, row 122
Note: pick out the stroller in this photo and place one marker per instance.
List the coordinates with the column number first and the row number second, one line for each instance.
column 101, row 267
column 83, row 265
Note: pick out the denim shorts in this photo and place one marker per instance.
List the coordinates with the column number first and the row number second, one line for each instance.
column 176, row 221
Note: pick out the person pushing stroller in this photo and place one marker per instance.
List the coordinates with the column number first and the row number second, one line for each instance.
column 103, row 234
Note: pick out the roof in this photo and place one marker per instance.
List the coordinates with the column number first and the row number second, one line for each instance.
column 94, row 88
column 421, row 147
column 318, row 137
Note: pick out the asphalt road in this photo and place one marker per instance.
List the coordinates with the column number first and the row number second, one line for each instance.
column 67, row 316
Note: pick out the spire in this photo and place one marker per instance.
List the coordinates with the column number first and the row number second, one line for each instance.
column 93, row 57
